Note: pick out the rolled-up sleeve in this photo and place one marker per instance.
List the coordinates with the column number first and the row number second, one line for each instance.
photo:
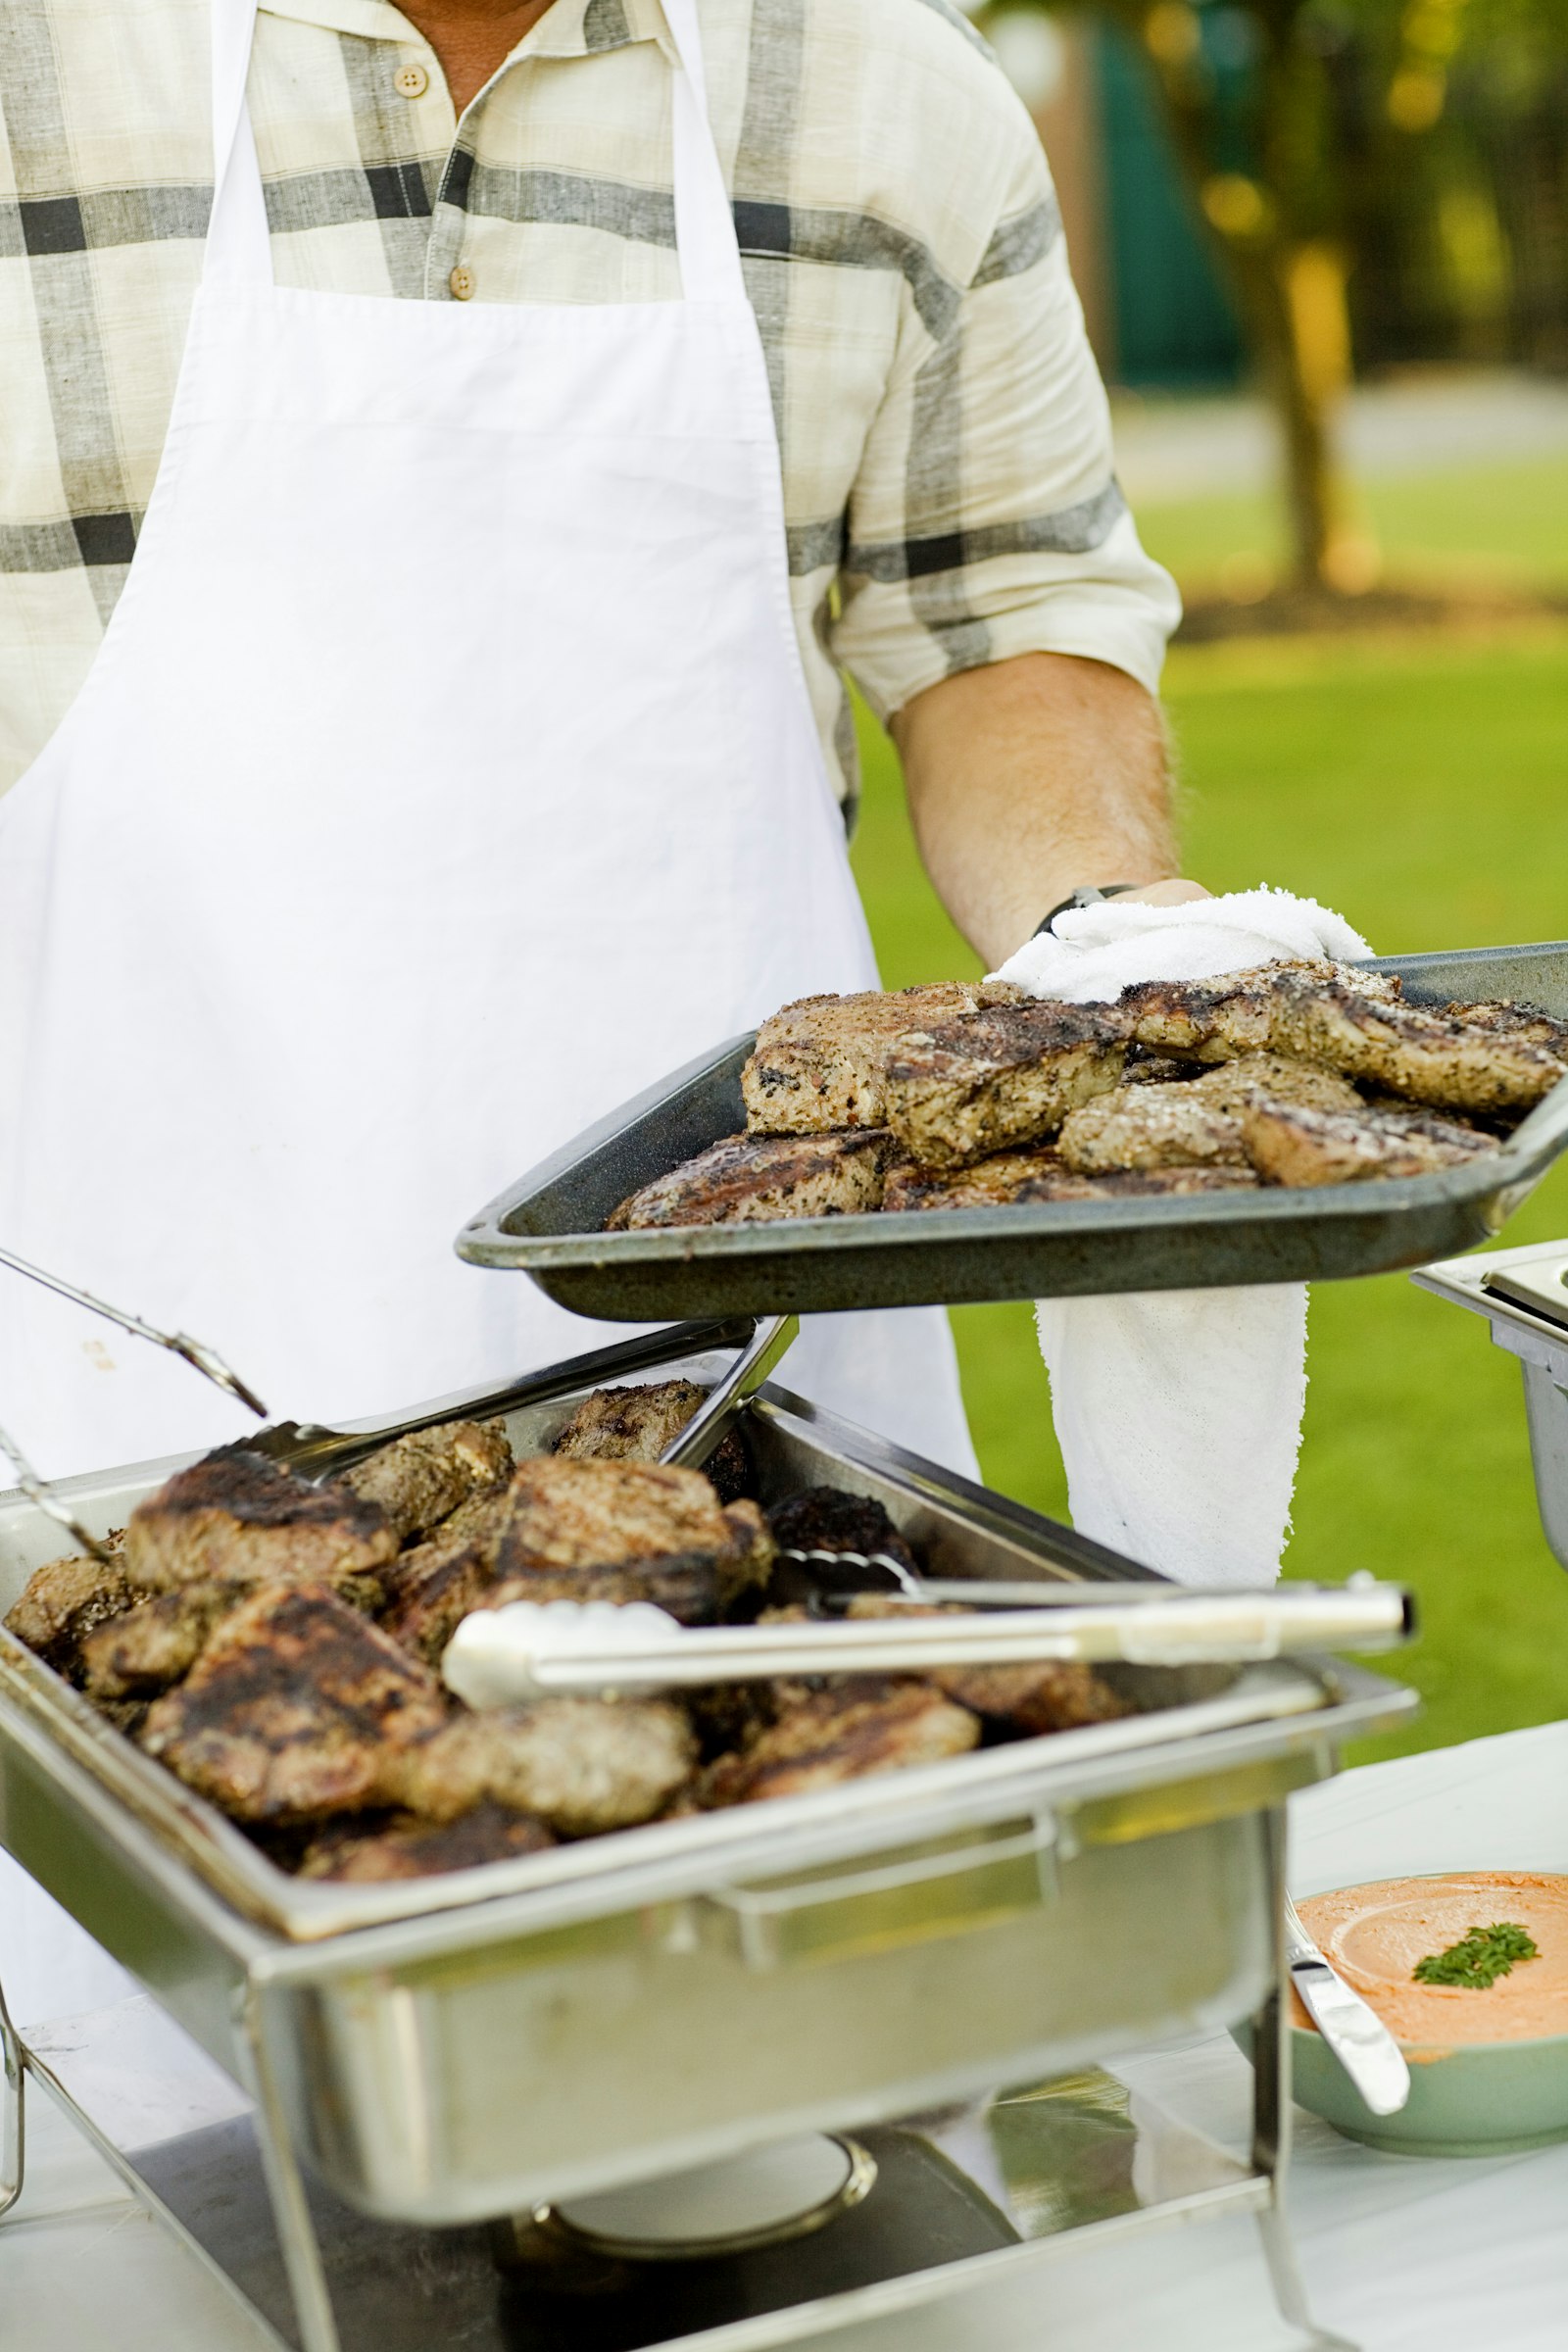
column 986, row 519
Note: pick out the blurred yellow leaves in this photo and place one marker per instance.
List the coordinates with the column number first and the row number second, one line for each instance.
column 1171, row 32
column 1415, row 97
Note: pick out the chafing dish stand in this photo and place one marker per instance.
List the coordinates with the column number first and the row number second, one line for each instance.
column 332, row 2099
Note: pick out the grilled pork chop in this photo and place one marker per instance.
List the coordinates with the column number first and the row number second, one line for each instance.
column 411, row 1849
column 660, row 1529
column 150, row 1648
column 1193, row 1122
column 759, row 1179
column 1291, row 1145
column 636, row 1424
column 1214, row 1020
column 818, row 1064
column 861, row 1724
column 432, row 1586
column 420, row 1479
column 583, row 1765
column 1505, row 1015
column 61, row 1604
column 1014, row 1178
column 296, row 1708
column 962, row 1089
column 237, row 1518
column 1457, row 1065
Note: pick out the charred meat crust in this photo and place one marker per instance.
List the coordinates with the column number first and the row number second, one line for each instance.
column 659, row 1527
column 963, row 1090
column 150, row 1648
column 420, row 1478
column 1450, row 1064
column 762, row 1179
column 1296, row 1147
column 829, row 1519
column 296, row 1708
column 1233, row 1013
column 430, row 1588
column 1012, row 1179
column 63, row 1602
column 1061, row 1695
column 413, row 1848
column 237, row 1518
column 1193, row 1122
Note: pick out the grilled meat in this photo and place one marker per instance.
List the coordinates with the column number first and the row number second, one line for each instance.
column 661, row 1529
column 1506, row 1017
column 1014, row 1178
column 962, row 1089
column 237, row 1518
column 635, row 1425
column 1214, row 1020
column 828, row 1519
column 761, row 1179
column 417, row 1480
column 818, row 1064
column 1291, row 1145
column 1193, row 1123
column 411, row 1849
column 1456, row 1065
column 864, row 1724
column 150, row 1648
column 297, row 1707
column 583, row 1765
column 1061, row 1695
column 63, row 1602
column 432, row 1586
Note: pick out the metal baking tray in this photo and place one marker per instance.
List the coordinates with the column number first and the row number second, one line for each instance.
column 465, row 2045
column 549, row 1224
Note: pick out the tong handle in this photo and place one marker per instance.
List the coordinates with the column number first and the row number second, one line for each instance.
column 773, row 1336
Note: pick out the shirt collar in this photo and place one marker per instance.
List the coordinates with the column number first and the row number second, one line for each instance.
column 568, row 27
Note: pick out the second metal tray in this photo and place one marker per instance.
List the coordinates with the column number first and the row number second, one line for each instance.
column 549, row 1224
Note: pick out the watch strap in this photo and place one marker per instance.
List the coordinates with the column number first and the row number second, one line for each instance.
column 1088, row 894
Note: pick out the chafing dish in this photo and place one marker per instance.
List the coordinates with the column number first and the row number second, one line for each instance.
column 474, row 2044
column 1524, row 1296
column 549, row 1224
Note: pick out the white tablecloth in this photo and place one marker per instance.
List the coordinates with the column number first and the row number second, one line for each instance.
column 1402, row 2254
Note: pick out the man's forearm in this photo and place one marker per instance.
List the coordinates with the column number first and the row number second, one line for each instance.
column 1029, row 777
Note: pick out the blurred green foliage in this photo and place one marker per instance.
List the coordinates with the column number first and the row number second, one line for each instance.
column 1416, row 784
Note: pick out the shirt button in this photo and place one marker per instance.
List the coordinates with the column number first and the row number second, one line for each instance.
column 462, row 282
column 411, row 82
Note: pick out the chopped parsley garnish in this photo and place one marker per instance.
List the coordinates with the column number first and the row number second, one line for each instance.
column 1478, row 1959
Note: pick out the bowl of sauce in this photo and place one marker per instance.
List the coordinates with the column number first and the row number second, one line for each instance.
column 1469, row 1972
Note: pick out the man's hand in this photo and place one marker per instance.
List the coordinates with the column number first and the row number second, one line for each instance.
column 1029, row 778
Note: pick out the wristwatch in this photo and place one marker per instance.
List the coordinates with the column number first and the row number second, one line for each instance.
column 1088, row 894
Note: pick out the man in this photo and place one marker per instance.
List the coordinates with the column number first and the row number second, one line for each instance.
column 469, row 742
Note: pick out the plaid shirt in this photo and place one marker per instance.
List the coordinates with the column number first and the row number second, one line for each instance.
column 945, row 443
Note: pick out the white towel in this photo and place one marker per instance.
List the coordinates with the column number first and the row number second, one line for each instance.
column 1179, row 1412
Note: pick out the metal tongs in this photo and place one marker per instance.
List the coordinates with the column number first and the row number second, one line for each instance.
column 525, row 1650
column 196, row 1352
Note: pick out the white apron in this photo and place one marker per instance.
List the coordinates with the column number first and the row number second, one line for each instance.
column 446, row 775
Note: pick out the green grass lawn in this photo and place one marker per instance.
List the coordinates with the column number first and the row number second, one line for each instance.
column 1420, row 788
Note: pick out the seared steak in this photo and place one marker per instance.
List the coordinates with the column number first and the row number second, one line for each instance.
column 583, row 1765
column 861, row 1724
column 1457, row 1065
column 1193, row 1123
column 296, row 1708
column 962, row 1089
column 420, row 1849
column 150, row 1648
column 1214, row 1020
column 818, row 1064
column 1506, row 1017
column 237, row 1518
column 1296, row 1147
column 431, row 1588
column 636, row 1424
column 420, row 1479
column 828, row 1519
column 63, row 1602
column 759, row 1179
column 661, row 1529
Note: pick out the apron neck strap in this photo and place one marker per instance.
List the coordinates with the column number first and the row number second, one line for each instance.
column 238, row 246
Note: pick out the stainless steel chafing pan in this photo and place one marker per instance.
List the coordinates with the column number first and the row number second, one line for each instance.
column 549, row 1224
column 637, row 2004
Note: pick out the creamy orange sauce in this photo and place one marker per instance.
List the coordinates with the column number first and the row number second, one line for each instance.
column 1375, row 1934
